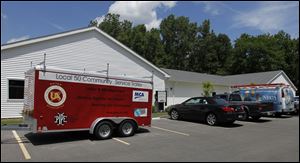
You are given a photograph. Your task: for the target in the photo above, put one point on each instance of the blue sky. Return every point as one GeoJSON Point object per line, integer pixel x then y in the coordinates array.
{"type": "Point", "coordinates": [23, 20]}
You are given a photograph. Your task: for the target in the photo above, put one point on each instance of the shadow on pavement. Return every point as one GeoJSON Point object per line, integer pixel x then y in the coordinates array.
{"type": "Point", "coordinates": [282, 116]}
{"type": "Point", "coordinates": [220, 125]}
{"type": "Point", "coordinates": [257, 121]}
{"type": "Point", "coordinates": [58, 137]}
{"type": "Point", "coordinates": [62, 137]}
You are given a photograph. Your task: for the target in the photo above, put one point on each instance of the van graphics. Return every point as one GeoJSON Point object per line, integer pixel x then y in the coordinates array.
{"type": "Point", "coordinates": [60, 119]}
{"type": "Point", "coordinates": [139, 96]}
{"type": "Point", "coordinates": [55, 96]}
{"type": "Point", "coordinates": [140, 112]}
{"type": "Point", "coordinates": [78, 78]}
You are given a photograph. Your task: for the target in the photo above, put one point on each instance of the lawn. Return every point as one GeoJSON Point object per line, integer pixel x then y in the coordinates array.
{"type": "Point", "coordinates": [160, 114]}
{"type": "Point", "coordinates": [10, 121]}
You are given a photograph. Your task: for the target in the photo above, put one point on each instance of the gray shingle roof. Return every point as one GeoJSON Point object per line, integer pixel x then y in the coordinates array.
{"type": "Point", "coordinates": [194, 77]}
{"type": "Point", "coordinates": [256, 78]}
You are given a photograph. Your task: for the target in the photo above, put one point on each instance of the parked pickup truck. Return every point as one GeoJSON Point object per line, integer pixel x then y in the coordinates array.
{"type": "Point", "coordinates": [253, 109]}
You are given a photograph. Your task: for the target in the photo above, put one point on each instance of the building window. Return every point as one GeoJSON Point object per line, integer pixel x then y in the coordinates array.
{"type": "Point", "coordinates": [15, 89]}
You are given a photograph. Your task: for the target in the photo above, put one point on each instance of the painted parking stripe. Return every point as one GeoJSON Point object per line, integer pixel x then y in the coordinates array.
{"type": "Point", "coordinates": [180, 133]}
{"type": "Point", "coordinates": [22, 146]}
{"type": "Point", "coordinates": [121, 141]}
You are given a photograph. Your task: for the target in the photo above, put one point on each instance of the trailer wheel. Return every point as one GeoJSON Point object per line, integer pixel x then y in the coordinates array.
{"type": "Point", "coordinates": [103, 130]}
{"type": "Point", "coordinates": [127, 128]}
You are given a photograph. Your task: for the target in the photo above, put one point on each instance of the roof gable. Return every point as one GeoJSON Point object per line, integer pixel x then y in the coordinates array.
{"type": "Point", "coordinates": [77, 31]}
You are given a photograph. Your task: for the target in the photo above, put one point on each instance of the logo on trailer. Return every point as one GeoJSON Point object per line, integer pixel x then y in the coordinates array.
{"type": "Point", "coordinates": [55, 96]}
{"type": "Point", "coordinates": [60, 119]}
{"type": "Point", "coordinates": [140, 96]}
{"type": "Point", "coordinates": [140, 112]}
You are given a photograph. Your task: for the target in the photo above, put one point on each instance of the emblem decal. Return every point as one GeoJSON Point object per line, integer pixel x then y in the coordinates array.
{"type": "Point", "coordinates": [55, 95]}
{"type": "Point", "coordinates": [60, 119]}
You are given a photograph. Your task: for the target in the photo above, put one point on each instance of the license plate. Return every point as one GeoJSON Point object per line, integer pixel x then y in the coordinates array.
{"type": "Point", "coordinates": [240, 116]}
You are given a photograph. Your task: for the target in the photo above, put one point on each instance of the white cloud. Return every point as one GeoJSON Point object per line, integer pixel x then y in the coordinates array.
{"type": "Point", "coordinates": [18, 39]}
{"type": "Point", "coordinates": [56, 26]}
{"type": "Point", "coordinates": [216, 7]}
{"type": "Point", "coordinates": [211, 7]}
{"type": "Point", "coordinates": [140, 12]}
{"type": "Point", "coordinates": [271, 17]}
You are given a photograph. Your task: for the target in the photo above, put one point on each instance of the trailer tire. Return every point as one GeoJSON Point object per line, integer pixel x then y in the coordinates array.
{"type": "Point", "coordinates": [127, 128]}
{"type": "Point", "coordinates": [103, 130]}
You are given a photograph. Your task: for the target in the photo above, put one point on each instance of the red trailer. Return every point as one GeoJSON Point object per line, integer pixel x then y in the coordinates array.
{"type": "Point", "coordinates": [66, 100]}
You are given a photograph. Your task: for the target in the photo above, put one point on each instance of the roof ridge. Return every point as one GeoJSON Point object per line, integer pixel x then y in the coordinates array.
{"type": "Point", "coordinates": [192, 72]}
{"type": "Point", "coordinates": [46, 35]}
{"type": "Point", "coordinates": [254, 73]}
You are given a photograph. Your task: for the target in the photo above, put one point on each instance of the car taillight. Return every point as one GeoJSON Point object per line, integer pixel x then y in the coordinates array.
{"type": "Point", "coordinates": [228, 109]}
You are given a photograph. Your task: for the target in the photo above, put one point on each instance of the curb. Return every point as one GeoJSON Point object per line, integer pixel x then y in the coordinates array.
{"type": "Point", "coordinates": [14, 127]}
{"type": "Point", "coordinates": [156, 118]}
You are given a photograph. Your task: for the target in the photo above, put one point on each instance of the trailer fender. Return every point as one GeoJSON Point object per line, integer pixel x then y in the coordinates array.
{"type": "Point", "coordinates": [116, 120]}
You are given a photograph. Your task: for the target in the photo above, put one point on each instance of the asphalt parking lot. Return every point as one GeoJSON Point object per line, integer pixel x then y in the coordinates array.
{"type": "Point", "coordinates": [269, 139]}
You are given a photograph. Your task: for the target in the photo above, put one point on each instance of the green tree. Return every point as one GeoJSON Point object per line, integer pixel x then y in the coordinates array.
{"type": "Point", "coordinates": [154, 51]}
{"type": "Point", "coordinates": [138, 39]}
{"type": "Point", "coordinates": [208, 88]}
{"type": "Point", "coordinates": [178, 37]}
{"type": "Point", "coordinates": [111, 25]}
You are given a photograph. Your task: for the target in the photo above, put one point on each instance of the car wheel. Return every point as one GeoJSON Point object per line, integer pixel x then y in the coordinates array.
{"type": "Point", "coordinates": [278, 115]}
{"type": "Point", "coordinates": [126, 128]}
{"type": "Point", "coordinates": [255, 117]}
{"type": "Point", "coordinates": [174, 114]}
{"type": "Point", "coordinates": [211, 119]}
{"type": "Point", "coordinates": [246, 116]}
{"type": "Point", "coordinates": [104, 130]}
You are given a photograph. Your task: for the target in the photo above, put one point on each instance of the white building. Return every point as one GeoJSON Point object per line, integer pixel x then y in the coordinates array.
{"type": "Point", "coordinates": [91, 49]}
{"type": "Point", "coordinates": [183, 84]}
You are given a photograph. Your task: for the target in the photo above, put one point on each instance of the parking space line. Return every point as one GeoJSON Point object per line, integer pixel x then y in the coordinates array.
{"type": "Point", "coordinates": [121, 141]}
{"type": "Point", "coordinates": [181, 133]}
{"type": "Point", "coordinates": [22, 146]}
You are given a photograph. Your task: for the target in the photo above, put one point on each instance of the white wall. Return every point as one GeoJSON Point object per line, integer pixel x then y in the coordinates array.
{"type": "Point", "coordinates": [87, 50]}
{"type": "Point", "coordinates": [182, 91]}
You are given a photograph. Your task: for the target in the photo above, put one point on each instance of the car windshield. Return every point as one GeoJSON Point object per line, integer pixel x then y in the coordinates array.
{"type": "Point", "coordinates": [220, 101]}
{"type": "Point", "coordinates": [296, 98]}
{"type": "Point", "coordinates": [235, 97]}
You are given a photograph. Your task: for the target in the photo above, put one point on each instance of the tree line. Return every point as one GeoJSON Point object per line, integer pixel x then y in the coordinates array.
{"type": "Point", "coordinates": [184, 45]}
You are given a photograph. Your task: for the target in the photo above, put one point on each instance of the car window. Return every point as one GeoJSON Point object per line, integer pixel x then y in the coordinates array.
{"type": "Point", "coordinates": [221, 97]}
{"type": "Point", "coordinates": [193, 101]}
{"type": "Point", "coordinates": [203, 101]}
{"type": "Point", "coordinates": [235, 97]}
{"type": "Point", "coordinates": [220, 101]}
